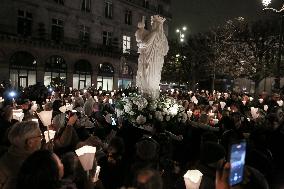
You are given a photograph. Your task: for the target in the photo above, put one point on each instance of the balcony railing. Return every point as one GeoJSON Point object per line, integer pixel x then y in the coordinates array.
{"type": "Point", "coordinates": [70, 44]}
{"type": "Point", "coordinates": [152, 8]}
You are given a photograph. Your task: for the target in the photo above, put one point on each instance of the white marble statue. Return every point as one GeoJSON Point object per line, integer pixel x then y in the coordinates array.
{"type": "Point", "coordinates": [152, 47]}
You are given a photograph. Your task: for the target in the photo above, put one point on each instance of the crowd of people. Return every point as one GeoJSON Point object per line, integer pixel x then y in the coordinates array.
{"type": "Point", "coordinates": [130, 157]}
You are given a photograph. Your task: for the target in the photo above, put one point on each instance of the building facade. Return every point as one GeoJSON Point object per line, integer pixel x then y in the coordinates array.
{"type": "Point", "coordinates": [81, 42]}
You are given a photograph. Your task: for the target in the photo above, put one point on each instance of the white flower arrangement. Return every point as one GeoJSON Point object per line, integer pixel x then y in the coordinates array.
{"type": "Point", "coordinates": [145, 111]}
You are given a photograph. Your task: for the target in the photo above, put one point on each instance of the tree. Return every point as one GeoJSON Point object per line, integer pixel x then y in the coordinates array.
{"type": "Point", "coordinates": [187, 63]}
{"type": "Point", "coordinates": [176, 67]}
{"type": "Point", "coordinates": [245, 50]}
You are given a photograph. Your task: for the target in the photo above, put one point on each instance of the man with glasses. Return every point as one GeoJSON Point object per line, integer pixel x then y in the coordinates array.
{"type": "Point", "coordinates": [25, 138]}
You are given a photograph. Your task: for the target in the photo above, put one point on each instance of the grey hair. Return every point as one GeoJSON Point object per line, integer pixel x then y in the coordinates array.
{"type": "Point", "coordinates": [59, 120]}
{"type": "Point", "coordinates": [22, 131]}
{"type": "Point", "coordinates": [48, 106]}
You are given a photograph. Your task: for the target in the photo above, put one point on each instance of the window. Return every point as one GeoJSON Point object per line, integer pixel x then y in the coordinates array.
{"type": "Point", "coordinates": [57, 30]}
{"type": "Point", "coordinates": [61, 2]}
{"type": "Point", "coordinates": [22, 69]}
{"type": "Point", "coordinates": [55, 70]}
{"type": "Point", "coordinates": [106, 69]}
{"type": "Point", "coordinates": [128, 17]}
{"type": "Point", "coordinates": [84, 33]}
{"type": "Point", "coordinates": [82, 77]}
{"type": "Point", "coordinates": [86, 5]}
{"type": "Point", "coordinates": [146, 4]}
{"type": "Point", "coordinates": [160, 9]}
{"type": "Point", "coordinates": [105, 76]}
{"type": "Point", "coordinates": [107, 38]}
{"type": "Point", "coordinates": [126, 44]}
{"type": "Point", "coordinates": [108, 9]}
{"type": "Point", "coordinates": [124, 83]}
{"type": "Point", "coordinates": [126, 76]}
{"type": "Point", "coordinates": [24, 25]}
{"type": "Point", "coordinates": [105, 83]}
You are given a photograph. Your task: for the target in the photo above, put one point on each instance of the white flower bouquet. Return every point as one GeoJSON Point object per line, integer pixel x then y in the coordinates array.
{"type": "Point", "coordinates": [142, 111]}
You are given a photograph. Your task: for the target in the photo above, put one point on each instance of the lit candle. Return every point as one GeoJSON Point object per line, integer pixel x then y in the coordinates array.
{"type": "Point", "coordinates": [35, 120]}
{"type": "Point", "coordinates": [192, 179]}
{"type": "Point", "coordinates": [211, 114]}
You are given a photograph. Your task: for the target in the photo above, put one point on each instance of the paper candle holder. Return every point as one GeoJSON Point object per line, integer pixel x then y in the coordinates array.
{"type": "Point", "coordinates": [18, 116]}
{"type": "Point", "coordinates": [192, 179]}
{"type": "Point", "coordinates": [45, 117]}
{"type": "Point", "coordinates": [265, 107]}
{"type": "Point", "coordinates": [63, 109]}
{"type": "Point", "coordinates": [280, 102]}
{"type": "Point", "coordinates": [86, 155]}
{"type": "Point", "coordinates": [222, 104]}
{"type": "Point", "coordinates": [49, 135]}
{"type": "Point", "coordinates": [254, 112]}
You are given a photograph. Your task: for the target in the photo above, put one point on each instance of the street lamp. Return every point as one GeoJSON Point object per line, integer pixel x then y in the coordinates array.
{"type": "Point", "coordinates": [266, 3]}
{"type": "Point", "coordinates": [181, 33]}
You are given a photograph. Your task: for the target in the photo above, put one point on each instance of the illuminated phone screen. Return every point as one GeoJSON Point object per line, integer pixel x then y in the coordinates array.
{"type": "Point", "coordinates": [113, 121]}
{"type": "Point", "coordinates": [237, 160]}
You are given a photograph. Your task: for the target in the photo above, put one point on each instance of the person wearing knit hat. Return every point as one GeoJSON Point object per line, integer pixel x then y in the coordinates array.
{"type": "Point", "coordinates": [211, 152]}
{"type": "Point", "coordinates": [147, 149]}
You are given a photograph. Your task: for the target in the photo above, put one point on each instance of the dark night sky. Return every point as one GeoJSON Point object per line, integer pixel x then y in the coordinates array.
{"type": "Point", "coordinates": [200, 15]}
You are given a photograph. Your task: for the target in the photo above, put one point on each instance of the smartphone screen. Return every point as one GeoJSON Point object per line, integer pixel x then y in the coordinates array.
{"type": "Point", "coordinates": [113, 121]}
{"type": "Point", "coordinates": [237, 160]}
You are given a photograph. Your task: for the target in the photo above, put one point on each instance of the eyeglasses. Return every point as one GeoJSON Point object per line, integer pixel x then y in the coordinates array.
{"type": "Point", "coordinates": [39, 136]}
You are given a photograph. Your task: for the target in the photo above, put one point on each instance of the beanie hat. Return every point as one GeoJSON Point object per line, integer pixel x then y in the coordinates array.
{"type": "Point", "coordinates": [147, 149]}
{"type": "Point", "coordinates": [211, 152]}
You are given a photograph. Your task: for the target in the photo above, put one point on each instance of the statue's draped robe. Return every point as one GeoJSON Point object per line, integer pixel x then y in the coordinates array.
{"type": "Point", "coordinates": [153, 47]}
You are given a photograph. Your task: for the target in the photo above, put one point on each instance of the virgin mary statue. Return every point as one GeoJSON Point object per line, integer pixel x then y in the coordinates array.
{"type": "Point", "coordinates": [152, 47]}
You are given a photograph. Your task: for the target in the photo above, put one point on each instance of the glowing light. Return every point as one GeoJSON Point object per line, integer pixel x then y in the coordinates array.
{"type": "Point", "coordinates": [266, 2]}
{"type": "Point", "coordinates": [12, 94]}
{"type": "Point", "coordinates": [184, 28]}
{"type": "Point", "coordinates": [177, 30]}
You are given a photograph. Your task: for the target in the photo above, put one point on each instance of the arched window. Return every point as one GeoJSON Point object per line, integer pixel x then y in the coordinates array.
{"type": "Point", "coordinates": [82, 77]}
{"type": "Point", "coordinates": [55, 67]}
{"type": "Point", "coordinates": [126, 77]}
{"type": "Point", "coordinates": [22, 69]}
{"type": "Point", "coordinates": [105, 77]}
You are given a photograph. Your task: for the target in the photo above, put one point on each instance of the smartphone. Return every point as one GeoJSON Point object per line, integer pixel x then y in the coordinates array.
{"type": "Point", "coordinates": [237, 161]}
{"type": "Point", "coordinates": [113, 122]}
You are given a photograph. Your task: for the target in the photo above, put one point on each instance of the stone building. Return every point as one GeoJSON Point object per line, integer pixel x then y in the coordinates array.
{"type": "Point", "coordinates": [81, 42]}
